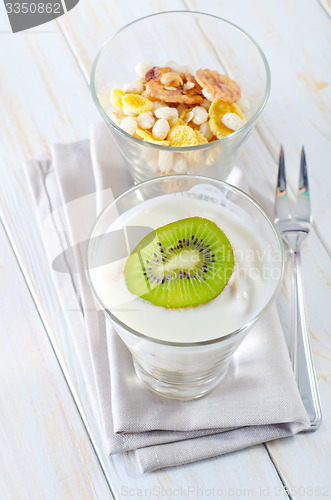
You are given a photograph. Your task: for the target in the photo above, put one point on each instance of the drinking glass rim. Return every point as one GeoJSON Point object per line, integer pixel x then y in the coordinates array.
{"type": "Point", "coordinates": [200, 147]}
{"type": "Point", "coordinates": [203, 342]}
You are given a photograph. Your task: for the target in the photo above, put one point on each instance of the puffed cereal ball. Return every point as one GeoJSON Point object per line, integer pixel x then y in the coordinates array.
{"type": "Point", "coordinates": [166, 159]}
{"type": "Point", "coordinates": [167, 113]}
{"type": "Point", "coordinates": [180, 165]}
{"type": "Point", "coordinates": [146, 120]}
{"type": "Point", "coordinates": [232, 121]}
{"type": "Point", "coordinates": [142, 67]}
{"type": "Point", "coordinates": [129, 124]}
{"type": "Point", "coordinates": [133, 88]}
{"type": "Point", "coordinates": [161, 129]}
{"type": "Point", "coordinates": [200, 115]}
{"type": "Point", "coordinates": [205, 130]}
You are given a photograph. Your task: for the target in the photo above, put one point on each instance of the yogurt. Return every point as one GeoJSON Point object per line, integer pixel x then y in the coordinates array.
{"type": "Point", "coordinates": [240, 301]}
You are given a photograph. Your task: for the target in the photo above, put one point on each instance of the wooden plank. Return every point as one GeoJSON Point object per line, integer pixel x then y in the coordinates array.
{"type": "Point", "coordinates": [45, 449]}
{"type": "Point", "coordinates": [246, 473]}
{"type": "Point", "coordinates": [45, 108]}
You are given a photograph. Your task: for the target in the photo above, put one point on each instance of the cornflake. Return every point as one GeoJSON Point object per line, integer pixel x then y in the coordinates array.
{"type": "Point", "coordinates": [183, 135]}
{"type": "Point", "coordinates": [136, 104]}
{"type": "Point", "coordinates": [116, 96]}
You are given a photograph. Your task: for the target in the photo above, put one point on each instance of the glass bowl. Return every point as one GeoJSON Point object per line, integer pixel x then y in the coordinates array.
{"type": "Point", "coordinates": [177, 362]}
{"type": "Point", "coordinates": [191, 39]}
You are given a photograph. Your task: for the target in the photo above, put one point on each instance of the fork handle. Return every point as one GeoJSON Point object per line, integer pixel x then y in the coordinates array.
{"type": "Point", "coordinates": [303, 361]}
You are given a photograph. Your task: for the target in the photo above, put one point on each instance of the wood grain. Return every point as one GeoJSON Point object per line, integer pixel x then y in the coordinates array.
{"type": "Point", "coordinates": [45, 450]}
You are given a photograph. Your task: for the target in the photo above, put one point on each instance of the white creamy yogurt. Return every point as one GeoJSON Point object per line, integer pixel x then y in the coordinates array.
{"type": "Point", "coordinates": [242, 298]}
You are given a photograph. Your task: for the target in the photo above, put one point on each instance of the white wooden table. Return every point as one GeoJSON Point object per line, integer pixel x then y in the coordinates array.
{"type": "Point", "coordinates": [50, 444]}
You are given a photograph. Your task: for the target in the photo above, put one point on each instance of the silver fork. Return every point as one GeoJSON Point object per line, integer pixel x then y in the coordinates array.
{"type": "Point", "coordinates": [293, 230]}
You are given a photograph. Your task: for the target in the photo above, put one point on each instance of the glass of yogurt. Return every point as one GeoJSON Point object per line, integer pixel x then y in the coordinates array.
{"type": "Point", "coordinates": [183, 352]}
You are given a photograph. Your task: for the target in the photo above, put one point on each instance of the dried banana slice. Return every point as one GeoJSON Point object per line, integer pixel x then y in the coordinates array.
{"type": "Point", "coordinates": [136, 104]}
{"type": "Point", "coordinates": [219, 86]}
{"type": "Point", "coordinates": [180, 94]}
{"type": "Point", "coordinates": [156, 73]}
{"type": "Point", "coordinates": [158, 91]}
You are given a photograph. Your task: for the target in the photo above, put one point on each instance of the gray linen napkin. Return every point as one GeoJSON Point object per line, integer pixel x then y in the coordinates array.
{"type": "Point", "coordinates": [257, 400]}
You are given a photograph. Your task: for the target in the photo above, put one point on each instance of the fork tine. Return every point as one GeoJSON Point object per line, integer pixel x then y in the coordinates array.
{"type": "Point", "coordinates": [281, 180]}
{"type": "Point", "coordinates": [303, 178]}
{"type": "Point", "coordinates": [303, 210]}
{"type": "Point", "coordinates": [282, 207]}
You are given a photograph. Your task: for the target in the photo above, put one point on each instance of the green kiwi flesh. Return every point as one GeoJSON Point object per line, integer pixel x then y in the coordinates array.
{"type": "Point", "coordinates": [182, 264]}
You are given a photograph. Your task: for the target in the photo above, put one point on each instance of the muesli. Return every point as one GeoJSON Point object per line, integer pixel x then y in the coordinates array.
{"type": "Point", "coordinates": [172, 107]}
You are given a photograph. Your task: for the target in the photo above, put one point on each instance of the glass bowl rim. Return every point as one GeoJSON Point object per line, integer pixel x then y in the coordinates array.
{"type": "Point", "coordinates": [143, 336]}
{"type": "Point", "coordinates": [243, 129]}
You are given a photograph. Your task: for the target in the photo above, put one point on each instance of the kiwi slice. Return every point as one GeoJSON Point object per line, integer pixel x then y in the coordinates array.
{"type": "Point", "coordinates": [182, 264]}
